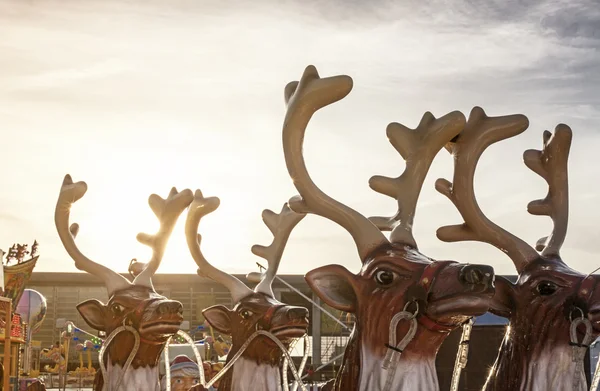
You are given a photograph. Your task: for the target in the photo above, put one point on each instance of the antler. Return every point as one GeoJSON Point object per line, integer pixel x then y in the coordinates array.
{"type": "Point", "coordinates": [303, 99]}
{"type": "Point", "coordinates": [281, 226]}
{"type": "Point", "coordinates": [480, 132]}
{"type": "Point", "coordinates": [418, 147]}
{"type": "Point", "coordinates": [70, 193]}
{"type": "Point", "coordinates": [199, 208]}
{"type": "Point", "coordinates": [551, 163]}
{"type": "Point", "coordinates": [168, 211]}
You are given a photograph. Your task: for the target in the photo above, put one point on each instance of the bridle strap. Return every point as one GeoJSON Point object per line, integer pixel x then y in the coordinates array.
{"type": "Point", "coordinates": [265, 321]}
{"type": "Point", "coordinates": [137, 313]}
{"type": "Point", "coordinates": [428, 277]}
{"type": "Point", "coordinates": [432, 325]}
{"type": "Point", "coordinates": [586, 288]}
{"type": "Point", "coordinates": [431, 272]}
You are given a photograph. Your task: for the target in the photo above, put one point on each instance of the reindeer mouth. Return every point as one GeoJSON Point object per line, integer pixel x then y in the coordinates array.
{"type": "Point", "coordinates": [289, 331]}
{"type": "Point", "coordinates": [161, 328]}
{"type": "Point", "coordinates": [461, 305]}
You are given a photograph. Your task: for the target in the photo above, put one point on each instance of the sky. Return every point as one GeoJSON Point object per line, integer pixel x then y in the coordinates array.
{"type": "Point", "coordinates": [134, 97]}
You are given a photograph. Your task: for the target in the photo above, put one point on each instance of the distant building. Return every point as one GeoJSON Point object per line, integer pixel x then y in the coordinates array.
{"type": "Point", "coordinates": [64, 291]}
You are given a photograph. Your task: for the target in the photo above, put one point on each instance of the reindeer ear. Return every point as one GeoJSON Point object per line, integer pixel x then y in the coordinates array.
{"type": "Point", "coordinates": [504, 298]}
{"type": "Point", "coordinates": [218, 317]}
{"type": "Point", "coordinates": [335, 285]}
{"type": "Point", "coordinates": [94, 313]}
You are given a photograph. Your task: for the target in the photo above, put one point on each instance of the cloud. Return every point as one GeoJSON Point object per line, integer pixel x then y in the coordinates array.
{"type": "Point", "coordinates": [133, 96]}
{"type": "Point", "coordinates": [9, 218]}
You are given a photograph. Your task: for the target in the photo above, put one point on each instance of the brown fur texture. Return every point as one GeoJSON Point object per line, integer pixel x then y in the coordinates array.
{"type": "Point", "coordinates": [36, 386]}
{"type": "Point", "coordinates": [451, 301]}
{"type": "Point", "coordinates": [257, 312]}
{"type": "Point", "coordinates": [539, 323]}
{"type": "Point", "coordinates": [152, 315]}
{"type": "Point", "coordinates": [394, 276]}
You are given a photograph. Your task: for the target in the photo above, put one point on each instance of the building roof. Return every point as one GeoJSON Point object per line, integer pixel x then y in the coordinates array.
{"type": "Point", "coordinates": [80, 278]}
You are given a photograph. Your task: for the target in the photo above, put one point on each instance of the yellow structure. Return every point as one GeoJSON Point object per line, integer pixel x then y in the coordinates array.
{"type": "Point", "coordinates": [6, 312]}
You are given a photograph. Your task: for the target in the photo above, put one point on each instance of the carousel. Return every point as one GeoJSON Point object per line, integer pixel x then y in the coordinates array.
{"type": "Point", "coordinates": [22, 312]}
{"type": "Point", "coordinates": [402, 303]}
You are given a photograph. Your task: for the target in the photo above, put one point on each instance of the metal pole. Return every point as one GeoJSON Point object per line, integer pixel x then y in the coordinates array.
{"type": "Point", "coordinates": [7, 327]}
{"type": "Point", "coordinates": [327, 363]}
{"type": "Point", "coordinates": [316, 333]}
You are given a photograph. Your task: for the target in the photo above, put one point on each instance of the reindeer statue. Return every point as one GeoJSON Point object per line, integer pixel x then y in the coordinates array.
{"type": "Point", "coordinates": [399, 293]}
{"type": "Point", "coordinates": [554, 311]}
{"type": "Point", "coordinates": [257, 369]}
{"type": "Point", "coordinates": [132, 362]}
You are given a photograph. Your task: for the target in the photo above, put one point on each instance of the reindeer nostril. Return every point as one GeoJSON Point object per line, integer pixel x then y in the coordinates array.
{"type": "Point", "coordinates": [297, 313]}
{"type": "Point", "coordinates": [477, 274]}
{"type": "Point", "coordinates": [169, 307]}
{"type": "Point", "coordinates": [176, 308]}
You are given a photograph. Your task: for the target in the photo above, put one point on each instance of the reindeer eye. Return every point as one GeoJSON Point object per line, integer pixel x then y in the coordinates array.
{"type": "Point", "coordinates": [546, 288]}
{"type": "Point", "coordinates": [117, 309]}
{"type": "Point", "coordinates": [385, 277]}
{"type": "Point", "coordinates": [245, 314]}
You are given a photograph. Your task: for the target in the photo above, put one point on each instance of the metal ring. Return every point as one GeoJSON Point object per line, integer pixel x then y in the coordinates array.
{"type": "Point", "coordinates": [571, 313]}
{"type": "Point", "coordinates": [408, 304]}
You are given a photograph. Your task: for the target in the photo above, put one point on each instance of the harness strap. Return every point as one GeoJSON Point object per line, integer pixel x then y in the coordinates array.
{"type": "Point", "coordinates": [586, 288]}
{"type": "Point", "coordinates": [137, 313]}
{"type": "Point", "coordinates": [579, 348]}
{"type": "Point", "coordinates": [428, 277]}
{"type": "Point", "coordinates": [127, 364]}
{"type": "Point", "coordinates": [431, 272]}
{"type": "Point", "coordinates": [287, 360]}
{"type": "Point", "coordinates": [395, 349]}
{"type": "Point", "coordinates": [267, 318]}
{"type": "Point", "coordinates": [433, 325]}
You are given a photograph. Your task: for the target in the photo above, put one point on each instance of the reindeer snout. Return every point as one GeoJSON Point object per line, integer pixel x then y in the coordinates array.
{"type": "Point", "coordinates": [170, 307]}
{"type": "Point", "coordinates": [477, 275]}
{"type": "Point", "coordinates": [297, 313]}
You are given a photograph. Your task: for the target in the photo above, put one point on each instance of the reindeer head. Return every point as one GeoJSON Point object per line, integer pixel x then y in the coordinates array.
{"type": "Point", "coordinates": [394, 274]}
{"type": "Point", "coordinates": [548, 294]}
{"type": "Point", "coordinates": [253, 309]}
{"type": "Point", "coordinates": [130, 303]}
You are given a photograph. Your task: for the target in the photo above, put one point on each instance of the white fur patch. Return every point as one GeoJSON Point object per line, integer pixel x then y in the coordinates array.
{"type": "Point", "coordinates": [249, 376]}
{"type": "Point", "coordinates": [140, 379]}
{"type": "Point", "coordinates": [554, 370]}
{"type": "Point", "coordinates": [410, 374]}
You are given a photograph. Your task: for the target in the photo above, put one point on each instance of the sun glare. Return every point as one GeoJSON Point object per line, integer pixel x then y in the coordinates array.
{"type": "Point", "coordinates": [110, 221]}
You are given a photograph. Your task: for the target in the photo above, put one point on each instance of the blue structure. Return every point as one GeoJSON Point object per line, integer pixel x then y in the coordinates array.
{"type": "Point", "coordinates": [489, 319]}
